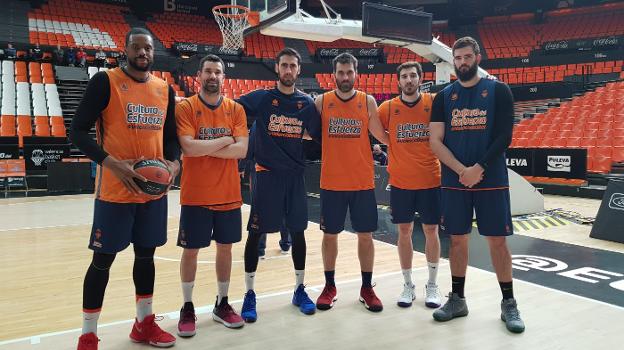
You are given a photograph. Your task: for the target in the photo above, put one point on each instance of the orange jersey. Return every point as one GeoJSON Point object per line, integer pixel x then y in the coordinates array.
{"type": "Point", "coordinates": [210, 181]}
{"type": "Point", "coordinates": [411, 163]}
{"type": "Point", "coordinates": [130, 127]}
{"type": "Point", "coordinates": [347, 159]}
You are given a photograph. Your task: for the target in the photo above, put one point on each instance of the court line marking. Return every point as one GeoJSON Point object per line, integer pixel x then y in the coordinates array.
{"type": "Point", "coordinates": [174, 315]}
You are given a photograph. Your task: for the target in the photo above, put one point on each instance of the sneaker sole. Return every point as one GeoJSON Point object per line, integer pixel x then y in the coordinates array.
{"type": "Point", "coordinates": [227, 324]}
{"type": "Point", "coordinates": [326, 306]}
{"type": "Point", "coordinates": [448, 319]}
{"type": "Point", "coordinates": [158, 345]}
{"type": "Point", "coordinates": [404, 304]}
{"type": "Point", "coordinates": [250, 320]}
{"type": "Point", "coordinates": [375, 309]}
{"type": "Point", "coordinates": [186, 334]}
{"type": "Point", "coordinates": [432, 305]}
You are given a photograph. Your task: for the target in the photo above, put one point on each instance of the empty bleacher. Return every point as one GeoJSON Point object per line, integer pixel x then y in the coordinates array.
{"type": "Point", "coordinates": [30, 101]}
{"type": "Point", "coordinates": [516, 35]}
{"type": "Point", "coordinates": [73, 23]}
{"type": "Point", "coordinates": [594, 121]}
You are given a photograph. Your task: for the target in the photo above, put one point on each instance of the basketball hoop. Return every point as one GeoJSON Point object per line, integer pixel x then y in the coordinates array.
{"type": "Point", "coordinates": [232, 20]}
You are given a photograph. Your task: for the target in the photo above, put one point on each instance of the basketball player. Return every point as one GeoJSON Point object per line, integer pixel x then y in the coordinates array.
{"type": "Point", "coordinates": [347, 176]}
{"type": "Point", "coordinates": [212, 130]}
{"type": "Point", "coordinates": [278, 190]}
{"type": "Point", "coordinates": [471, 127]}
{"type": "Point", "coordinates": [414, 178]}
{"type": "Point", "coordinates": [134, 114]}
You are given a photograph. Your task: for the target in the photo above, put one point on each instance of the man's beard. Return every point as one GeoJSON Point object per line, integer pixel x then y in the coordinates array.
{"type": "Point", "coordinates": [287, 82]}
{"type": "Point", "coordinates": [406, 92]}
{"type": "Point", "coordinates": [468, 74]}
{"type": "Point", "coordinates": [211, 88]}
{"type": "Point", "coordinates": [345, 86]}
{"type": "Point", "coordinates": [134, 65]}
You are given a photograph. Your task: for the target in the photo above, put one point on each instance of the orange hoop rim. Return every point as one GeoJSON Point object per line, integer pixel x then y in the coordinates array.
{"type": "Point", "coordinates": [217, 11]}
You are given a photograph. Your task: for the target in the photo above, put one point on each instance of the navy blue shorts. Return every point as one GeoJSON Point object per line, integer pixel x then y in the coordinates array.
{"type": "Point", "coordinates": [404, 203]}
{"type": "Point", "coordinates": [362, 209]}
{"type": "Point", "coordinates": [116, 225]}
{"type": "Point", "coordinates": [200, 225]}
{"type": "Point", "coordinates": [278, 198]}
{"type": "Point", "coordinates": [492, 209]}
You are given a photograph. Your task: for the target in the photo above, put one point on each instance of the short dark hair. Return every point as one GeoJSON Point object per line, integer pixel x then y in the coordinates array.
{"type": "Point", "coordinates": [345, 58]}
{"type": "Point", "coordinates": [465, 42]}
{"type": "Point", "coordinates": [288, 51]}
{"type": "Point", "coordinates": [408, 65]}
{"type": "Point", "coordinates": [137, 31]}
{"type": "Point", "coordinates": [211, 58]}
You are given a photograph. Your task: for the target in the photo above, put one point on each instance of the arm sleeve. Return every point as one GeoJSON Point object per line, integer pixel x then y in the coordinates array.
{"type": "Point", "coordinates": [249, 103]}
{"type": "Point", "coordinates": [503, 124]}
{"type": "Point", "coordinates": [171, 145]}
{"type": "Point", "coordinates": [314, 124]}
{"type": "Point", "coordinates": [94, 101]}
{"type": "Point", "coordinates": [437, 108]}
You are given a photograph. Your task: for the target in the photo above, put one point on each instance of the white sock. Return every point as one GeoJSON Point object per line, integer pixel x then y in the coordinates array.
{"type": "Point", "coordinates": [433, 272]}
{"type": "Point", "coordinates": [223, 290]}
{"type": "Point", "coordinates": [299, 275]}
{"type": "Point", "coordinates": [143, 307]}
{"type": "Point", "coordinates": [187, 291]}
{"type": "Point", "coordinates": [89, 322]}
{"type": "Point", "coordinates": [407, 276]}
{"type": "Point", "coordinates": [249, 280]}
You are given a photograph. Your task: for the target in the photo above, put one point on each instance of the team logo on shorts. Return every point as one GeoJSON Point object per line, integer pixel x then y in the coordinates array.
{"type": "Point", "coordinates": [454, 97]}
{"type": "Point", "coordinates": [275, 103]}
{"type": "Point", "coordinates": [97, 235]}
{"type": "Point", "coordinates": [182, 237]}
{"type": "Point", "coordinates": [484, 93]}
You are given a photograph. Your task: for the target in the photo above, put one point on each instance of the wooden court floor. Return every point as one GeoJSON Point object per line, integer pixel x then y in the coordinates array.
{"type": "Point", "coordinates": [44, 255]}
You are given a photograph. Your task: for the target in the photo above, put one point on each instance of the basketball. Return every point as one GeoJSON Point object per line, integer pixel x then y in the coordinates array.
{"type": "Point", "coordinates": [157, 175]}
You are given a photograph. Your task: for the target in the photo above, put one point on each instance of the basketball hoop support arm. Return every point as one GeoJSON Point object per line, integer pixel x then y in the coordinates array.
{"type": "Point", "coordinates": [304, 26]}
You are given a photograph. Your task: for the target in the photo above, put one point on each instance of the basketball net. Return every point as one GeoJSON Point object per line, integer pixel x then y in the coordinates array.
{"type": "Point", "coordinates": [232, 20]}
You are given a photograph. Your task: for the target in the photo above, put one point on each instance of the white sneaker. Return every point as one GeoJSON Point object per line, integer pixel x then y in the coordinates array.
{"type": "Point", "coordinates": [432, 295]}
{"type": "Point", "coordinates": [408, 295]}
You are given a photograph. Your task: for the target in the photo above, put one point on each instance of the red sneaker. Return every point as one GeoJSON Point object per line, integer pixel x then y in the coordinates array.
{"type": "Point", "coordinates": [224, 313]}
{"type": "Point", "coordinates": [149, 332]}
{"type": "Point", "coordinates": [327, 298]}
{"type": "Point", "coordinates": [370, 300]}
{"type": "Point", "coordinates": [88, 341]}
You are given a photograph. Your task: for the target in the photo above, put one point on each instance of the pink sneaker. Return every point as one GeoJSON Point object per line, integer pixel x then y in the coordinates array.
{"type": "Point", "coordinates": [225, 314]}
{"type": "Point", "coordinates": [186, 325]}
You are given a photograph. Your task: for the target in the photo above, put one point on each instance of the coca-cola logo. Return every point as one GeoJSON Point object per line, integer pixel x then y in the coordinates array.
{"type": "Point", "coordinates": [329, 52]}
{"type": "Point", "coordinates": [187, 47]}
{"type": "Point", "coordinates": [610, 41]}
{"type": "Point", "coordinates": [556, 45]}
{"type": "Point", "coordinates": [228, 51]}
{"type": "Point", "coordinates": [369, 52]}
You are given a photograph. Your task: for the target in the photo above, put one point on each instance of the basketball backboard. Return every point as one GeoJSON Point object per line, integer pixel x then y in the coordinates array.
{"type": "Point", "coordinates": [270, 11]}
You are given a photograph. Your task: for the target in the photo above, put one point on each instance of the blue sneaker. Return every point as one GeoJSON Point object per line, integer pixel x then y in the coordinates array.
{"type": "Point", "coordinates": [284, 247]}
{"type": "Point", "coordinates": [301, 299]}
{"type": "Point", "coordinates": [248, 312]}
